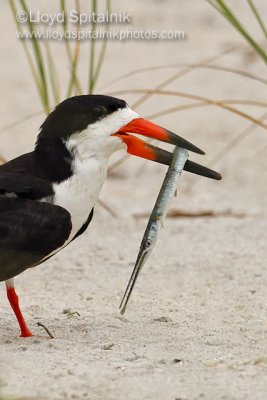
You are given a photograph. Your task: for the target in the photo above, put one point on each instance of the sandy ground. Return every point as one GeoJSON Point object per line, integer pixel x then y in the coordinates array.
{"type": "Point", "coordinates": [196, 324]}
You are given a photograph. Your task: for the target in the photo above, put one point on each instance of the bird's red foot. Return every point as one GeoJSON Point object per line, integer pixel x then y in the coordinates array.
{"type": "Point", "coordinates": [25, 332]}
{"type": "Point", "coordinates": [14, 302]}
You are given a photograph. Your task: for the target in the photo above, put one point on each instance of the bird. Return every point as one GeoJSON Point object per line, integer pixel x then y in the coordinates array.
{"type": "Point", "coordinates": [47, 196]}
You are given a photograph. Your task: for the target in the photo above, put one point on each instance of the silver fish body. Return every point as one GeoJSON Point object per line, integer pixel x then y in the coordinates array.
{"type": "Point", "coordinates": [167, 192]}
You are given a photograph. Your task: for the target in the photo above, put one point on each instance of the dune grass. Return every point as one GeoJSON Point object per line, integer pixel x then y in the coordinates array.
{"type": "Point", "coordinates": [41, 59]}
{"type": "Point", "coordinates": [223, 8]}
{"type": "Point", "coordinates": [47, 77]}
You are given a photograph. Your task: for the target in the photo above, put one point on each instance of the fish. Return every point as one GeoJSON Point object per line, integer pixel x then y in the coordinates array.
{"type": "Point", "coordinates": [157, 217]}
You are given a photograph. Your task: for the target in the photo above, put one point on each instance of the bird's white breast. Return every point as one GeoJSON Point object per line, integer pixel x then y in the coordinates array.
{"type": "Point", "coordinates": [90, 150]}
{"type": "Point", "coordinates": [79, 193]}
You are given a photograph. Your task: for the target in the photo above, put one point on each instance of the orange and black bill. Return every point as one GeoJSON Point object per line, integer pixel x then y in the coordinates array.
{"type": "Point", "coordinates": [140, 148]}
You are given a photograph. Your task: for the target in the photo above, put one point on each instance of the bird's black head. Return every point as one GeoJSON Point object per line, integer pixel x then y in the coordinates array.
{"type": "Point", "coordinates": [83, 128]}
{"type": "Point", "coordinates": [77, 113]}
{"type": "Point", "coordinates": [80, 127]}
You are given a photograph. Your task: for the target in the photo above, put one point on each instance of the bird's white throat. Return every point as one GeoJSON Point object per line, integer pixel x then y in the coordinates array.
{"type": "Point", "coordinates": [90, 150]}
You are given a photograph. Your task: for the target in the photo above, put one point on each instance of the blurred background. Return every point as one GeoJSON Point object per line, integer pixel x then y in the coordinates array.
{"type": "Point", "coordinates": [207, 272]}
{"type": "Point", "coordinates": [130, 65]}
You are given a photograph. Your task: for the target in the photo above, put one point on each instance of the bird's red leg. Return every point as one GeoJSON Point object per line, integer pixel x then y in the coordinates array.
{"type": "Point", "coordinates": [14, 302]}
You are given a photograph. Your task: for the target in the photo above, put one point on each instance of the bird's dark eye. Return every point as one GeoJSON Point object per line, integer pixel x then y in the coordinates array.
{"type": "Point", "coordinates": [148, 243]}
{"type": "Point", "coordinates": [99, 111]}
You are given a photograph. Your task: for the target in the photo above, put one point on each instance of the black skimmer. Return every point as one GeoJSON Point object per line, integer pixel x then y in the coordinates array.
{"type": "Point", "coordinates": [47, 197]}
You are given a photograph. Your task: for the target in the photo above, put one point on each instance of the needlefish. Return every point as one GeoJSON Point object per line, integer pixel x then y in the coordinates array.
{"type": "Point", "coordinates": [167, 192]}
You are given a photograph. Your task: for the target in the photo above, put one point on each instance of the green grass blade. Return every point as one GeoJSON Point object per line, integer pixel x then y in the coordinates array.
{"type": "Point", "coordinates": [39, 60]}
{"type": "Point", "coordinates": [74, 81]}
{"type": "Point", "coordinates": [103, 48]}
{"type": "Point", "coordinates": [65, 26]}
{"type": "Point", "coordinates": [73, 61]}
{"type": "Point", "coordinates": [27, 53]}
{"type": "Point", "coordinates": [92, 52]}
{"type": "Point", "coordinates": [258, 17]}
{"type": "Point", "coordinates": [223, 9]}
{"type": "Point", "coordinates": [52, 74]}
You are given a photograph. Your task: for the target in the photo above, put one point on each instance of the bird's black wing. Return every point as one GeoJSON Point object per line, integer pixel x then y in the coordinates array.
{"type": "Point", "coordinates": [29, 231]}
{"type": "Point", "coordinates": [24, 185]}
{"type": "Point", "coordinates": [27, 178]}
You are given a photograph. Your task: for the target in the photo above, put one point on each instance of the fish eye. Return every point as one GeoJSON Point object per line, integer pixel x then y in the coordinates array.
{"type": "Point", "coordinates": [99, 111]}
{"type": "Point", "coordinates": [148, 242]}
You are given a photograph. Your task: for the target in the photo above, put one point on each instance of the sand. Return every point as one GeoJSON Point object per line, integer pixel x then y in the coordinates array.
{"type": "Point", "coordinates": [196, 325]}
